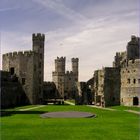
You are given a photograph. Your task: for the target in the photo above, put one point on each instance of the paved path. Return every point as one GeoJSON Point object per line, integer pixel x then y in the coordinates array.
{"type": "Point", "coordinates": [92, 106]}
{"type": "Point", "coordinates": [25, 109]}
{"type": "Point", "coordinates": [101, 107]}
{"type": "Point", "coordinates": [67, 102]}
{"type": "Point", "coordinates": [133, 111]}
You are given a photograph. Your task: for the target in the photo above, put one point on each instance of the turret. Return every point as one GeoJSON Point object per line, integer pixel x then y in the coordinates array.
{"type": "Point", "coordinates": [60, 64]}
{"type": "Point", "coordinates": [75, 66]}
{"type": "Point", "coordinates": [133, 48]}
{"type": "Point", "coordinates": [38, 41]}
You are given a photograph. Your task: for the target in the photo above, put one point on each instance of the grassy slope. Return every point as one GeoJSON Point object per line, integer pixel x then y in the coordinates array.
{"type": "Point", "coordinates": [126, 108]}
{"type": "Point", "coordinates": [113, 125]}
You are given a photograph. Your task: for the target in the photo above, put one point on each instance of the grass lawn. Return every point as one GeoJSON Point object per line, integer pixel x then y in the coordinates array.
{"type": "Point", "coordinates": [108, 125]}
{"type": "Point", "coordinates": [126, 108]}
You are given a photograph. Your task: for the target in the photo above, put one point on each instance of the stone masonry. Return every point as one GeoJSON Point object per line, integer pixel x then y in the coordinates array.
{"type": "Point", "coordinates": [28, 66]}
{"type": "Point", "coordinates": [65, 81]}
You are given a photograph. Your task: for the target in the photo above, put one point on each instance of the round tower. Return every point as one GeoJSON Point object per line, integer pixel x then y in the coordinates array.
{"type": "Point", "coordinates": [75, 66]}
{"type": "Point", "coordinates": [60, 64]}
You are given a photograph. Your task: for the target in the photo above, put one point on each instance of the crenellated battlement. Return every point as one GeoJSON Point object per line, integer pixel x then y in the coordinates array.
{"type": "Point", "coordinates": [38, 37]}
{"type": "Point", "coordinates": [18, 54]}
{"type": "Point", "coordinates": [60, 59]}
{"type": "Point", "coordinates": [74, 59]}
{"type": "Point", "coordinates": [135, 62]}
{"type": "Point", "coordinates": [120, 54]}
{"type": "Point", "coordinates": [69, 73]}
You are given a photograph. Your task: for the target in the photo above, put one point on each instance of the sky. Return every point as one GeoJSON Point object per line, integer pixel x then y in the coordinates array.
{"type": "Point", "coordinates": [92, 30]}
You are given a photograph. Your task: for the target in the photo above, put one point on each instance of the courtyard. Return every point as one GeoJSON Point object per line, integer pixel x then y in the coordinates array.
{"type": "Point", "coordinates": [25, 123]}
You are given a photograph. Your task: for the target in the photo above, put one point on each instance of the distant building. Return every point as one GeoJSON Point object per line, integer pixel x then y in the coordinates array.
{"type": "Point", "coordinates": [83, 95]}
{"type": "Point", "coordinates": [129, 64]}
{"type": "Point", "coordinates": [107, 87]}
{"type": "Point", "coordinates": [120, 84]}
{"type": "Point", "coordinates": [22, 78]}
{"type": "Point", "coordinates": [65, 81]}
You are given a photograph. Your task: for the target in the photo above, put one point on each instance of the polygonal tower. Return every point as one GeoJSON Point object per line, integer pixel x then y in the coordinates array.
{"type": "Point", "coordinates": [60, 64]}
{"type": "Point", "coordinates": [59, 75]}
{"type": "Point", "coordinates": [133, 48]}
{"type": "Point", "coordinates": [75, 66]}
{"type": "Point", "coordinates": [38, 47]}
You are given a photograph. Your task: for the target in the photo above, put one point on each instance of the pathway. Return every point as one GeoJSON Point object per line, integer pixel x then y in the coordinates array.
{"type": "Point", "coordinates": [25, 109]}
{"type": "Point", "coordinates": [67, 102]}
{"type": "Point", "coordinates": [133, 111]}
{"type": "Point", "coordinates": [111, 109]}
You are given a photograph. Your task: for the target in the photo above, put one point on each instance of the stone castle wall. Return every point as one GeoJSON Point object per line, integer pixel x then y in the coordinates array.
{"type": "Point", "coordinates": [28, 66]}
{"type": "Point", "coordinates": [23, 65]}
{"type": "Point", "coordinates": [107, 86]}
{"type": "Point", "coordinates": [130, 83]}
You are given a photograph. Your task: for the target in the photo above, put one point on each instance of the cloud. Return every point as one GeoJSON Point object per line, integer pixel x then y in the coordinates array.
{"type": "Point", "coordinates": [94, 40]}
{"type": "Point", "coordinates": [62, 9]}
{"type": "Point", "coordinates": [8, 9]}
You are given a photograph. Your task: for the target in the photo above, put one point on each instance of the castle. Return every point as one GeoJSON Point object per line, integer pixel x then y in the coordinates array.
{"type": "Point", "coordinates": [22, 78]}
{"type": "Point", "coordinates": [65, 81]}
{"type": "Point", "coordinates": [129, 64]}
{"type": "Point", "coordinates": [120, 84]}
{"type": "Point", "coordinates": [28, 67]}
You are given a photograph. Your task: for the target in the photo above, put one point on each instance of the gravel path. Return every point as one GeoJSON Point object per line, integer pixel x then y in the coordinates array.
{"type": "Point", "coordinates": [133, 111]}
{"type": "Point", "coordinates": [25, 109]}
{"type": "Point", "coordinates": [67, 102]}
{"type": "Point", "coordinates": [111, 109]}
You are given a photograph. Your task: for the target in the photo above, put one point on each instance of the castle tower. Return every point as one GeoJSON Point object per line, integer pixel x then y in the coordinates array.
{"type": "Point", "coordinates": [75, 66]}
{"type": "Point", "coordinates": [59, 75]}
{"type": "Point", "coordinates": [38, 47]}
{"type": "Point", "coordinates": [60, 64]}
{"type": "Point", "coordinates": [133, 48]}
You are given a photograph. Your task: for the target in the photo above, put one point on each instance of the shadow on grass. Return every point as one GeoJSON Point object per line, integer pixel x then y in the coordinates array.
{"type": "Point", "coordinates": [10, 113]}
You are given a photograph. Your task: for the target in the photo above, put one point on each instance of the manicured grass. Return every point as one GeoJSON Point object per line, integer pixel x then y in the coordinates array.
{"type": "Point", "coordinates": [113, 125]}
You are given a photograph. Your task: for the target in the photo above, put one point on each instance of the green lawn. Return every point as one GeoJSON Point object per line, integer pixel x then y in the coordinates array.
{"type": "Point", "coordinates": [108, 125]}
{"type": "Point", "coordinates": [126, 108]}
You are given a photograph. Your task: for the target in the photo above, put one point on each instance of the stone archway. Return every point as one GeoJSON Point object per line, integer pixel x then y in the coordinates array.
{"type": "Point", "coordinates": [135, 101]}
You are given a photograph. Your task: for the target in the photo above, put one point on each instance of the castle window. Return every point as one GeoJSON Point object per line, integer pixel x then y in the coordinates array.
{"type": "Point", "coordinates": [23, 81]}
{"type": "Point", "coordinates": [39, 72]}
{"type": "Point", "coordinates": [12, 70]}
{"type": "Point", "coordinates": [128, 81]}
{"type": "Point", "coordinates": [128, 71]}
{"type": "Point", "coordinates": [40, 55]}
{"type": "Point", "coordinates": [134, 81]}
{"type": "Point", "coordinates": [40, 80]}
{"type": "Point", "coordinates": [34, 67]}
{"type": "Point", "coordinates": [113, 99]}
{"type": "Point", "coordinates": [40, 65]}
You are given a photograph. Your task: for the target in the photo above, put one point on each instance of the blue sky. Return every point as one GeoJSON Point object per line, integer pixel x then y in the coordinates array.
{"type": "Point", "coordinates": [93, 30]}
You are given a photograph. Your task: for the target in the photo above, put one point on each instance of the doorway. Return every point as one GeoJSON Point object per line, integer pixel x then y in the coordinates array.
{"type": "Point", "coordinates": [12, 70]}
{"type": "Point", "coordinates": [135, 101]}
